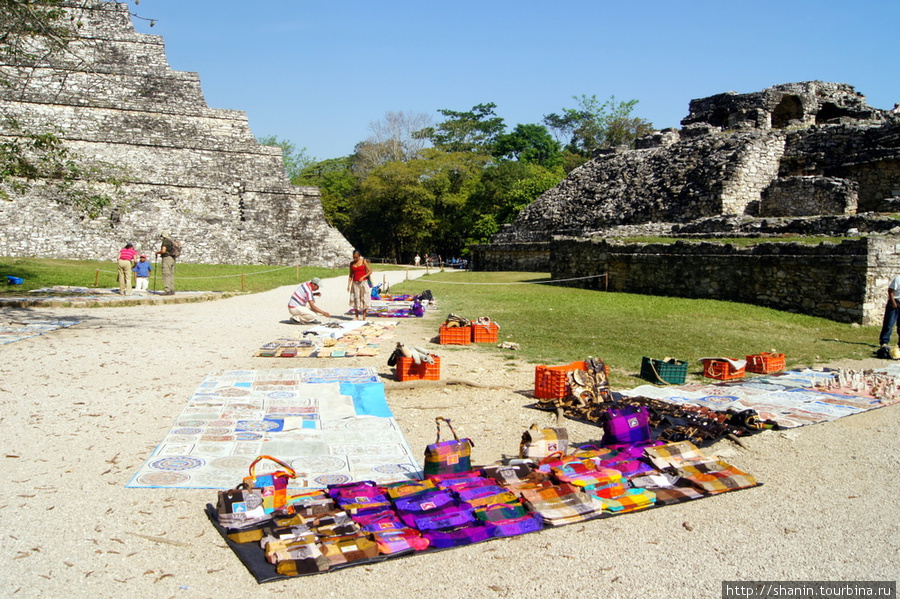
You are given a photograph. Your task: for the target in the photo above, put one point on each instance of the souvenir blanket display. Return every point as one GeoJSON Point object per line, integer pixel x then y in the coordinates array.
{"type": "Point", "coordinates": [278, 535]}
{"type": "Point", "coordinates": [789, 399]}
{"type": "Point", "coordinates": [387, 305]}
{"type": "Point", "coordinates": [22, 329]}
{"type": "Point", "coordinates": [330, 425]}
{"type": "Point", "coordinates": [348, 339]}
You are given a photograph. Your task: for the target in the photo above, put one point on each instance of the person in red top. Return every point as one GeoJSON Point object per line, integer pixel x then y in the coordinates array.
{"type": "Point", "coordinates": [127, 259]}
{"type": "Point", "coordinates": [356, 286]}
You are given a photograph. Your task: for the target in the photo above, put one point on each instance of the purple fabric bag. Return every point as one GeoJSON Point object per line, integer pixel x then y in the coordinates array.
{"type": "Point", "coordinates": [530, 522]}
{"type": "Point", "coordinates": [625, 426]}
{"type": "Point", "coordinates": [448, 517]}
{"type": "Point", "coordinates": [456, 537]}
{"type": "Point", "coordinates": [424, 502]}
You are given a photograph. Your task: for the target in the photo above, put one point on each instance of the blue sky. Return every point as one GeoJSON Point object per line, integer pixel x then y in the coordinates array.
{"type": "Point", "coordinates": [319, 73]}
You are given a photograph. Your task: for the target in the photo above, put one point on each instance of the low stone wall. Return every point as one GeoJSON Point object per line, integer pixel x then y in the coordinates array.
{"type": "Point", "coordinates": [845, 282]}
{"type": "Point", "coordinates": [527, 257]}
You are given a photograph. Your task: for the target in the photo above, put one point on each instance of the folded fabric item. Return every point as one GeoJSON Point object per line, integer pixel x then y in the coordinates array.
{"type": "Point", "coordinates": [447, 517]}
{"type": "Point", "coordinates": [457, 480]}
{"type": "Point", "coordinates": [509, 474]}
{"type": "Point", "coordinates": [408, 488]}
{"type": "Point", "coordinates": [655, 479]}
{"type": "Point", "coordinates": [586, 473]}
{"type": "Point", "coordinates": [336, 524]}
{"type": "Point", "coordinates": [372, 517]}
{"type": "Point", "coordinates": [346, 549]}
{"type": "Point", "coordinates": [241, 507]}
{"type": "Point", "coordinates": [592, 451]}
{"type": "Point", "coordinates": [673, 455]}
{"type": "Point", "coordinates": [474, 493]}
{"type": "Point", "coordinates": [367, 487]}
{"type": "Point", "coordinates": [311, 504]}
{"type": "Point", "coordinates": [627, 467]}
{"type": "Point", "coordinates": [304, 565]}
{"type": "Point", "coordinates": [537, 443]}
{"type": "Point", "coordinates": [614, 488]}
{"type": "Point", "coordinates": [400, 540]}
{"type": "Point", "coordinates": [717, 477]}
{"type": "Point", "coordinates": [456, 537]}
{"type": "Point", "coordinates": [500, 511]}
{"type": "Point", "coordinates": [563, 506]}
{"type": "Point", "coordinates": [631, 500]}
{"type": "Point", "coordinates": [485, 500]}
{"type": "Point", "coordinates": [424, 502]}
{"type": "Point", "coordinates": [671, 495]}
{"type": "Point", "coordinates": [515, 526]}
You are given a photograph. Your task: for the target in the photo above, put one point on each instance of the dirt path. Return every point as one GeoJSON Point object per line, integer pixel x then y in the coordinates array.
{"type": "Point", "coordinates": [82, 408]}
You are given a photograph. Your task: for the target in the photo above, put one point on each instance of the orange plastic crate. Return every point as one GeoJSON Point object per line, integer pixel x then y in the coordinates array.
{"type": "Point", "coordinates": [551, 382]}
{"type": "Point", "coordinates": [485, 333]}
{"type": "Point", "coordinates": [407, 370]}
{"type": "Point", "coordinates": [764, 363]}
{"type": "Point", "coordinates": [721, 370]}
{"type": "Point", "coordinates": [455, 335]}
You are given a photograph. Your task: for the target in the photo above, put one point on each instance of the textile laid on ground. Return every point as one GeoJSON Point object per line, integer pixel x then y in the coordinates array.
{"type": "Point", "coordinates": [790, 399]}
{"type": "Point", "coordinates": [22, 329]}
{"type": "Point", "coordinates": [363, 523]}
{"type": "Point", "coordinates": [395, 308]}
{"type": "Point", "coordinates": [332, 425]}
{"type": "Point", "coordinates": [348, 339]}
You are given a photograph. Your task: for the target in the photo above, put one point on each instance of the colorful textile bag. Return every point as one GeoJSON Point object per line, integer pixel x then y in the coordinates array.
{"type": "Point", "coordinates": [447, 517]}
{"type": "Point", "coordinates": [456, 537]}
{"type": "Point", "coordinates": [448, 457]}
{"type": "Point", "coordinates": [425, 502]}
{"type": "Point", "coordinates": [272, 487]}
{"type": "Point", "coordinates": [631, 500]}
{"type": "Point", "coordinates": [500, 511]}
{"type": "Point", "coordinates": [515, 526]}
{"type": "Point", "coordinates": [626, 426]}
{"type": "Point", "coordinates": [241, 507]}
{"type": "Point", "coordinates": [407, 488]}
{"type": "Point", "coordinates": [537, 444]}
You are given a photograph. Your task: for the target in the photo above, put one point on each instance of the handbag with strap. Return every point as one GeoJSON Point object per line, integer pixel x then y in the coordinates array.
{"type": "Point", "coordinates": [626, 426]}
{"type": "Point", "coordinates": [272, 487]}
{"type": "Point", "coordinates": [448, 457]}
{"type": "Point", "coordinates": [537, 443]}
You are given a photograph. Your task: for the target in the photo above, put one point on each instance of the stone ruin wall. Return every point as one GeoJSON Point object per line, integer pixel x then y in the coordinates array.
{"type": "Point", "coordinates": [796, 159]}
{"type": "Point", "coordinates": [192, 170]}
{"type": "Point", "coordinates": [845, 282]}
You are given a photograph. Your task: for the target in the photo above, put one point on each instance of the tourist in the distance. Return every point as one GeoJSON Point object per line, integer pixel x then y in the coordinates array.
{"type": "Point", "coordinates": [891, 311]}
{"type": "Point", "coordinates": [167, 252]}
{"type": "Point", "coordinates": [360, 271]}
{"type": "Point", "coordinates": [127, 258]}
{"type": "Point", "coordinates": [142, 273]}
{"type": "Point", "coordinates": [302, 304]}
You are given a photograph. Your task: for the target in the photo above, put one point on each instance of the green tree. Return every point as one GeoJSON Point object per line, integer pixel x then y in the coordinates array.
{"type": "Point", "coordinates": [295, 159]}
{"type": "Point", "coordinates": [472, 131]}
{"type": "Point", "coordinates": [338, 185]}
{"type": "Point", "coordinates": [529, 143]}
{"type": "Point", "coordinates": [595, 125]}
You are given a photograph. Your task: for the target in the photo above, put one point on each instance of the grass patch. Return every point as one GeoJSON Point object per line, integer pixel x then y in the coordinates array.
{"type": "Point", "coordinates": [557, 325]}
{"type": "Point", "coordinates": [40, 272]}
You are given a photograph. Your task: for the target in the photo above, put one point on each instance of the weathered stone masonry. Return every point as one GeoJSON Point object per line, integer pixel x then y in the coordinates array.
{"type": "Point", "coordinates": [192, 170]}
{"type": "Point", "coordinates": [794, 159]}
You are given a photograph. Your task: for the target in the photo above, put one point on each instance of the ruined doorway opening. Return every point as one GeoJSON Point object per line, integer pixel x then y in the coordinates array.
{"type": "Point", "coordinates": [789, 109]}
{"type": "Point", "coordinates": [829, 111]}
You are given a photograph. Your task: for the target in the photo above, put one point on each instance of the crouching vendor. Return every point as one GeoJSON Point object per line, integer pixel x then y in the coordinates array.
{"type": "Point", "coordinates": [302, 304]}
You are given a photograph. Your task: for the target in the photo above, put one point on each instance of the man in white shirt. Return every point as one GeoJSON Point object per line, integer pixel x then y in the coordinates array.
{"type": "Point", "coordinates": [302, 304]}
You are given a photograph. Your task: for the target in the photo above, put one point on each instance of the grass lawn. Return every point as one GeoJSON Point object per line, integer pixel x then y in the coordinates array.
{"type": "Point", "coordinates": [557, 325]}
{"type": "Point", "coordinates": [39, 273]}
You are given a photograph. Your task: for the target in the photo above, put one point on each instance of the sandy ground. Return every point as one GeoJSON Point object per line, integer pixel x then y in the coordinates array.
{"type": "Point", "coordinates": [82, 408]}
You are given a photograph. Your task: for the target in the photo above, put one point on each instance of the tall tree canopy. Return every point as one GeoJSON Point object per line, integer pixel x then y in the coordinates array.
{"type": "Point", "coordinates": [595, 125]}
{"type": "Point", "coordinates": [295, 159]}
{"type": "Point", "coordinates": [529, 143]}
{"type": "Point", "coordinates": [471, 131]}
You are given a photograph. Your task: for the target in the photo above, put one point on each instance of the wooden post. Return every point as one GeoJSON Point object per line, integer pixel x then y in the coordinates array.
{"type": "Point", "coordinates": [242, 281]}
{"type": "Point", "coordinates": [97, 278]}
{"type": "Point", "coordinates": [298, 272]}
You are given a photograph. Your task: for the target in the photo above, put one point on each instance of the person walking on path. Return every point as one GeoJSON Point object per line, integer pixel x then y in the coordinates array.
{"type": "Point", "coordinates": [417, 260]}
{"type": "Point", "coordinates": [360, 271]}
{"type": "Point", "coordinates": [142, 273]}
{"type": "Point", "coordinates": [302, 305]}
{"type": "Point", "coordinates": [891, 311]}
{"type": "Point", "coordinates": [167, 253]}
{"type": "Point", "coordinates": [127, 259]}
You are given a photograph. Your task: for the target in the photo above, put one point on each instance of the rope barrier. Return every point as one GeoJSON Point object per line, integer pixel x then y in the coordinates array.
{"type": "Point", "coordinates": [261, 272]}
{"type": "Point", "coordinates": [519, 282]}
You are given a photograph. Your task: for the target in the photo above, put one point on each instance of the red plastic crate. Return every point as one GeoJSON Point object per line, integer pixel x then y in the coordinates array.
{"type": "Point", "coordinates": [764, 363]}
{"type": "Point", "coordinates": [551, 382]}
{"type": "Point", "coordinates": [407, 370]}
{"type": "Point", "coordinates": [721, 370]}
{"type": "Point", "coordinates": [485, 333]}
{"type": "Point", "coordinates": [455, 335]}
